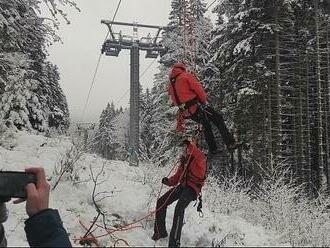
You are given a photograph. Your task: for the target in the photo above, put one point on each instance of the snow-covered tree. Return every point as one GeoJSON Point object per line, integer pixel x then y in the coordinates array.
{"type": "Point", "coordinates": [19, 104]}
{"type": "Point", "coordinates": [272, 83]}
{"type": "Point", "coordinates": [53, 98]}
{"type": "Point", "coordinates": [146, 119]}
{"type": "Point", "coordinates": [106, 140]}
{"type": "Point", "coordinates": [162, 128]}
{"type": "Point", "coordinates": [25, 35]}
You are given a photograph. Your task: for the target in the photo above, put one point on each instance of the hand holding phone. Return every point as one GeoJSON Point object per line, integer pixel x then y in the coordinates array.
{"type": "Point", "coordinates": [13, 183]}
{"type": "Point", "coordinates": [30, 185]}
{"type": "Point", "coordinates": [37, 194]}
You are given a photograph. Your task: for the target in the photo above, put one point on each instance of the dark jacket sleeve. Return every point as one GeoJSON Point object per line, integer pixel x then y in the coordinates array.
{"type": "Point", "coordinates": [45, 229]}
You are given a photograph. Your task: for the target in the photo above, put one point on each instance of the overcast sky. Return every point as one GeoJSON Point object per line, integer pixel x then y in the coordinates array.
{"type": "Point", "coordinates": [82, 41]}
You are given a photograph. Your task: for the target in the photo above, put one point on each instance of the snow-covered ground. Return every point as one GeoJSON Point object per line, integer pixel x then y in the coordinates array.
{"type": "Point", "coordinates": [131, 191]}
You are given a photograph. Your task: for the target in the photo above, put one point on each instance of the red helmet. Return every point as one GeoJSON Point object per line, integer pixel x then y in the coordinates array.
{"type": "Point", "coordinates": [179, 65]}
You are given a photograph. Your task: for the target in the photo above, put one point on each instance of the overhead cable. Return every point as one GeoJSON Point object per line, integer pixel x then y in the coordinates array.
{"type": "Point", "coordinates": [98, 64]}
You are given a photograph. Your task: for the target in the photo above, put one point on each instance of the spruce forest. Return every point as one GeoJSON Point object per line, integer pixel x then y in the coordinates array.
{"type": "Point", "coordinates": [265, 64]}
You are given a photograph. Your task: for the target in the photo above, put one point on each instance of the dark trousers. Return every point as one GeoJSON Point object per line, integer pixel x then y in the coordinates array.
{"type": "Point", "coordinates": [205, 117]}
{"type": "Point", "coordinates": [184, 195]}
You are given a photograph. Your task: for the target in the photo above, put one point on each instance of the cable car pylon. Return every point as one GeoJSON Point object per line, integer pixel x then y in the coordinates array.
{"type": "Point", "coordinates": [153, 48]}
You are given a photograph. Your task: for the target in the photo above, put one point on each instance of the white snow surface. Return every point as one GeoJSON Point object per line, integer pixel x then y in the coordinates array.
{"type": "Point", "coordinates": [130, 196]}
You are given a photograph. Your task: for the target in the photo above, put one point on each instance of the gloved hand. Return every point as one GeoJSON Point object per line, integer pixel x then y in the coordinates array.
{"type": "Point", "coordinates": [165, 181]}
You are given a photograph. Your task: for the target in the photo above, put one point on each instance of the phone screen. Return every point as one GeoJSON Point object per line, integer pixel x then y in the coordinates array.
{"type": "Point", "coordinates": [12, 183]}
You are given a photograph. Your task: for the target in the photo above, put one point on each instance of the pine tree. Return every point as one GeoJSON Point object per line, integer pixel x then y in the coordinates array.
{"type": "Point", "coordinates": [146, 136]}
{"type": "Point", "coordinates": [25, 34]}
{"type": "Point", "coordinates": [273, 80]}
{"type": "Point", "coordinates": [20, 105]}
{"type": "Point", "coordinates": [162, 128]}
{"type": "Point", "coordinates": [174, 37]}
{"type": "Point", "coordinates": [121, 126]}
{"type": "Point", "coordinates": [53, 98]}
{"type": "Point", "coordinates": [106, 140]}
{"type": "Point", "coordinates": [239, 83]}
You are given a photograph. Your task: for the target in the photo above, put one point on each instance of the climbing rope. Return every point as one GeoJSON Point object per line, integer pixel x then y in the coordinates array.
{"type": "Point", "coordinates": [189, 26]}
{"type": "Point", "coordinates": [90, 237]}
{"type": "Point", "coordinates": [97, 66]}
{"type": "Point", "coordinates": [127, 226]}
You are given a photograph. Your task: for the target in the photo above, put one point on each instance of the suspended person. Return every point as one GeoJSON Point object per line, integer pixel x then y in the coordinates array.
{"type": "Point", "coordinates": [188, 94]}
{"type": "Point", "coordinates": [186, 185]}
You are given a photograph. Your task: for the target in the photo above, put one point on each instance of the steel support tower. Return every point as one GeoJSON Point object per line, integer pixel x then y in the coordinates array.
{"type": "Point", "coordinates": [84, 128]}
{"type": "Point", "coordinates": [153, 48]}
{"type": "Point", "coordinates": [134, 115]}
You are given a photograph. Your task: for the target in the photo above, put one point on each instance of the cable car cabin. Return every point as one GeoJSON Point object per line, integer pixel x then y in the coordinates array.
{"type": "Point", "coordinates": [111, 48]}
{"type": "Point", "coordinates": [152, 54]}
{"type": "Point", "coordinates": [146, 42]}
{"type": "Point", "coordinates": [112, 51]}
{"type": "Point", "coordinates": [126, 41]}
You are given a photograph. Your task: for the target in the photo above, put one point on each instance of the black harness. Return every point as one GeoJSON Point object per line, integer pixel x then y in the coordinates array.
{"type": "Point", "coordinates": [198, 182]}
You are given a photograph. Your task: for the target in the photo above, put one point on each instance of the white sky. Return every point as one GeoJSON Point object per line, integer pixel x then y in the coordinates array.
{"type": "Point", "coordinates": [82, 41]}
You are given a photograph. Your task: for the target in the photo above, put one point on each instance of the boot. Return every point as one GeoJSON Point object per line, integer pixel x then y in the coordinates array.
{"type": "Point", "coordinates": [174, 243]}
{"type": "Point", "coordinates": [158, 236]}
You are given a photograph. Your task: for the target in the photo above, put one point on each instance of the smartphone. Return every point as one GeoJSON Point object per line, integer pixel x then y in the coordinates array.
{"type": "Point", "coordinates": [12, 183]}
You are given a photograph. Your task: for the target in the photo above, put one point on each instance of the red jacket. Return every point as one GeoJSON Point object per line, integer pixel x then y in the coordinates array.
{"type": "Point", "coordinates": [187, 88]}
{"type": "Point", "coordinates": [195, 173]}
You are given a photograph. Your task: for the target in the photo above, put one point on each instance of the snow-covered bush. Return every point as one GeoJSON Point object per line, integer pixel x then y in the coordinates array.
{"type": "Point", "coordinates": [278, 203]}
{"type": "Point", "coordinates": [7, 136]}
{"type": "Point", "coordinates": [152, 176]}
{"type": "Point", "coordinates": [283, 205]}
{"type": "Point", "coordinates": [227, 196]}
{"type": "Point", "coordinates": [65, 167]}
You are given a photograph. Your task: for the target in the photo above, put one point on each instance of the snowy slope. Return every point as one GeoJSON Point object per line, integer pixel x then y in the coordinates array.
{"type": "Point", "coordinates": [132, 194]}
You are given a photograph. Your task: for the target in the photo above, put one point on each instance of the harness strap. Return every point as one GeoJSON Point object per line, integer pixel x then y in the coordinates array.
{"type": "Point", "coordinates": [190, 103]}
{"type": "Point", "coordinates": [186, 105]}
{"type": "Point", "coordinates": [173, 81]}
{"type": "Point", "coordinates": [187, 170]}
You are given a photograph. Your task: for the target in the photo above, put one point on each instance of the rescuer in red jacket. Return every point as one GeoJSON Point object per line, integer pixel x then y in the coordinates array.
{"type": "Point", "coordinates": [186, 185]}
{"type": "Point", "coordinates": [188, 94]}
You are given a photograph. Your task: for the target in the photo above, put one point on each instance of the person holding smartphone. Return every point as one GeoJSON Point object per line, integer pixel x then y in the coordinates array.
{"type": "Point", "coordinates": [44, 227]}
